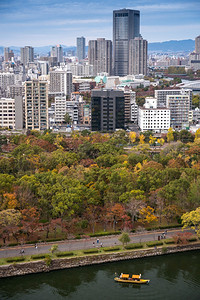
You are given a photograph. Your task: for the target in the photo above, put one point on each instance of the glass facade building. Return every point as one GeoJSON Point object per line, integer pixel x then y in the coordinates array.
{"type": "Point", "coordinates": [107, 110]}
{"type": "Point", "coordinates": [80, 46]}
{"type": "Point", "coordinates": [126, 26]}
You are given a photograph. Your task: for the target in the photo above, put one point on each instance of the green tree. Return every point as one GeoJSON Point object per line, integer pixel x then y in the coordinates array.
{"type": "Point", "coordinates": [124, 238]}
{"type": "Point", "coordinates": [67, 118]}
{"type": "Point", "coordinates": [196, 100]}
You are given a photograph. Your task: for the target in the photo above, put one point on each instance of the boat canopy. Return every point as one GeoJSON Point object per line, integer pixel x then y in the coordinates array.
{"type": "Point", "coordinates": [125, 275]}
{"type": "Point", "coordinates": [136, 276]}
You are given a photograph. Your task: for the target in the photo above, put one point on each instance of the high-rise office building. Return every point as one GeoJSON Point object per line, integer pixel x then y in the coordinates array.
{"type": "Point", "coordinates": [107, 110]}
{"type": "Point", "coordinates": [138, 56]}
{"type": "Point", "coordinates": [57, 51]}
{"type": "Point", "coordinates": [8, 54]}
{"type": "Point", "coordinates": [100, 55]}
{"type": "Point", "coordinates": [80, 44]}
{"type": "Point", "coordinates": [27, 55]}
{"type": "Point", "coordinates": [126, 26]}
{"type": "Point", "coordinates": [36, 105]}
{"type": "Point", "coordinates": [197, 44]}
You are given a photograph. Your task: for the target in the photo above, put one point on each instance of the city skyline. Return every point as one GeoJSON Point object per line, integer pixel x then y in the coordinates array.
{"type": "Point", "coordinates": [28, 22]}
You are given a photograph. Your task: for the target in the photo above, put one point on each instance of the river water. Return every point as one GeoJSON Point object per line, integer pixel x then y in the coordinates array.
{"type": "Point", "coordinates": [172, 277]}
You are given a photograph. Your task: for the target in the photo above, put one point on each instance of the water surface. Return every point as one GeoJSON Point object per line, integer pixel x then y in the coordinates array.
{"type": "Point", "coordinates": [173, 277]}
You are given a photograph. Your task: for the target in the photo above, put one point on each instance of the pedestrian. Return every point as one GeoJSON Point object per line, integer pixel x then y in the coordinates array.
{"type": "Point", "coordinates": [36, 246]}
{"type": "Point", "coordinates": [101, 245]}
{"type": "Point", "coordinates": [22, 250]}
{"type": "Point", "coordinates": [93, 243]}
{"type": "Point", "coordinates": [97, 241]}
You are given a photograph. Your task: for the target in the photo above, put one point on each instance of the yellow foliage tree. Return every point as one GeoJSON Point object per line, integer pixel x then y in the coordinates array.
{"type": "Point", "coordinates": [161, 141]}
{"type": "Point", "coordinates": [58, 141]}
{"type": "Point", "coordinates": [147, 215]}
{"type": "Point", "coordinates": [192, 219]}
{"type": "Point", "coordinates": [132, 136]}
{"type": "Point", "coordinates": [152, 140]}
{"type": "Point", "coordinates": [9, 201]}
{"type": "Point", "coordinates": [142, 138]}
{"type": "Point", "coordinates": [170, 136]}
{"type": "Point", "coordinates": [197, 134]}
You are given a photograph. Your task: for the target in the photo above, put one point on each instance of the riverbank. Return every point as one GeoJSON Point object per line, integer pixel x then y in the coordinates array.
{"type": "Point", "coordinates": [40, 266]}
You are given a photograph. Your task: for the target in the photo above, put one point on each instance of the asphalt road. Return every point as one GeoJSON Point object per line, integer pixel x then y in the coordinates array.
{"type": "Point", "coordinates": [69, 245]}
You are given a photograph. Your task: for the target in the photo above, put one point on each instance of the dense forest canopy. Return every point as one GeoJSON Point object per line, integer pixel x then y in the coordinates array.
{"type": "Point", "coordinates": [49, 180]}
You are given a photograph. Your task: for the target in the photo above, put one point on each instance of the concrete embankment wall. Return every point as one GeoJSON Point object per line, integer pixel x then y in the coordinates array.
{"type": "Point", "coordinates": [65, 263]}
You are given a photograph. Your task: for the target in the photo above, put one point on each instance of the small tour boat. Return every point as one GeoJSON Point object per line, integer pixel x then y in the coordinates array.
{"type": "Point", "coordinates": [126, 278]}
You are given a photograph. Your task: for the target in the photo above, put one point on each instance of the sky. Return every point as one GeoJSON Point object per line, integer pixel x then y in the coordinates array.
{"type": "Point", "coordinates": [50, 22]}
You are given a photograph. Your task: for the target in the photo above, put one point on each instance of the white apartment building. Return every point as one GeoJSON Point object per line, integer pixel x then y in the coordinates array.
{"type": "Point", "coordinates": [11, 113]}
{"type": "Point", "coordinates": [60, 82]}
{"type": "Point", "coordinates": [6, 79]}
{"type": "Point", "coordinates": [7, 113]}
{"type": "Point", "coordinates": [72, 108]}
{"type": "Point", "coordinates": [161, 96]}
{"type": "Point", "coordinates": [179, 106]}
{"type": "Point", "coordinates": [130, 106]}
{"type": "Point", "coordinates": [152, 118]}
{"type": "Point", "coordinates": [81, 69]}
{"type": "Point", "coordinates": [60, 108]}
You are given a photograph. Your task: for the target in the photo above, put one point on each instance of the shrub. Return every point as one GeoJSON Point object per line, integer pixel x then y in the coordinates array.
{"type": "Point", "coordinates": [62, 254]}
{"type": "Point", "coordinates": [182, 238]}
{"type": "Point", "coordinates": [38, 256]}
{"type": "Point", "coordinates": [107, 249]}
{"type": "Point", "coordinates": [12, 244]}
{"type": "Point", "coordinates": [90, 251]}
{"type": "Point", "coordinates": [32, 242]}
{"type": "Point", "coordinates": [169, 241]}
{"type": "Point", "coordinates": [78, 237]}
{"type": "Point", "coordinates": [15, 259]}
{"type": "Point", "coordinates": [154, 243]}
{"type": "Point", "coordinates": [104, 233]}
{"type": "Point", "coordinates": [164, 250]}
{"type": "Point", "coordinates": [133, 246]}
{"type": "Point", "coordinates": [48, 260]}
{"type": "Point", "coordinates": [192, 239]}
{"type": "Point", "coordinates": [53, 240]}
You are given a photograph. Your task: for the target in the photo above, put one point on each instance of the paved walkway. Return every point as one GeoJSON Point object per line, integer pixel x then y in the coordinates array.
{"type": "Point", "coordinates": [70, 245]}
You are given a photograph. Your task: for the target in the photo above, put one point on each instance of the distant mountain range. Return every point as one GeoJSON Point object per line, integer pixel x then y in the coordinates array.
{"type": "Point", "coordinates": [162, 47]}
{"type": "Point", "coordinates": [172, 46]}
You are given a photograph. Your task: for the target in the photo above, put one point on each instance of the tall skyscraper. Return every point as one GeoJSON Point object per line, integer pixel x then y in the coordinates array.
{"type": "Point", "coordinates": [100, 55]}
{"type": "Point", "coordinates": [80, 44]}
{"type": "Point", "coordinates": [27, 55]}
{"type": "Point", "coordinates": [8, 54]}
{"type": "Point", "coordinates": [138, 56]}
{"type": "Point", "coordinates": [126, 26]}
{"type": "Point", "coordinates": [197, 44]}
{"type": "Point", "coordinates": [36, 105]}
{"type": "Point", "coordinates": [57, 51]}
{"type": "Point", "coordinates": [107, 110]}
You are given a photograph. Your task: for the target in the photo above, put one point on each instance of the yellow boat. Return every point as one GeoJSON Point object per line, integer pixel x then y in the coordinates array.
{"type": "Point", "coordinates": [136, 279]}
